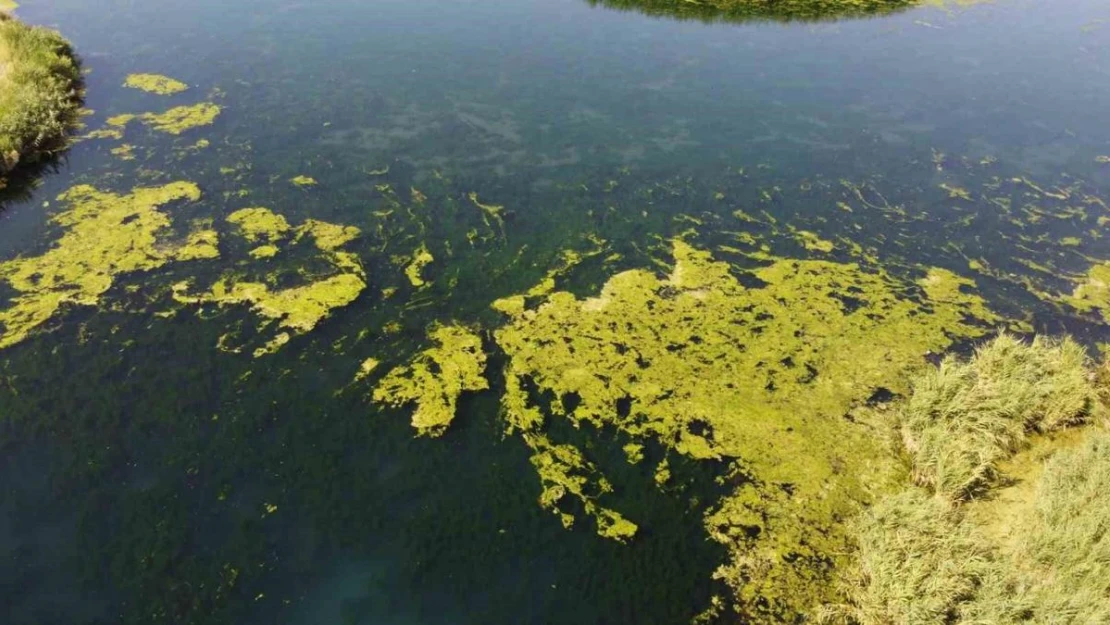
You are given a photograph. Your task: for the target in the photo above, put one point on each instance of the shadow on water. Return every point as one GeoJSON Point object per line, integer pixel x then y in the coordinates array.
{"type": "Point", "coordinates": [19, 186]}
{"type": "Point", "coordinates": [740, 11]}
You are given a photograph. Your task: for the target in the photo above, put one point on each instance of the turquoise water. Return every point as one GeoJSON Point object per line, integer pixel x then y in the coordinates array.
{"type": "Point", "coordinates": [138, 459]}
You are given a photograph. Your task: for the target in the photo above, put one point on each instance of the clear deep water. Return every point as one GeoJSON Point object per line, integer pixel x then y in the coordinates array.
{"type": "Point", "coordinates": [138, 461]}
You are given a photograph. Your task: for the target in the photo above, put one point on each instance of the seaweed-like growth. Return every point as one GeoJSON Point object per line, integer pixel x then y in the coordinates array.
{"type": "Point", "coordinates": [760, 10]}
{"type": "Point", "coordinates": [105, 235]}
{"type": "Point", "coordinates": [297, 309]}
{"type": "Point", "coordinates": [965, 417]}
{"type": "Point", "coordinates": [436, 377]}
{"type": "Point", "coordinates": [41, 93]}
{"type": "Point", "coordinates": [414, 271]}
{"type": "Point", "coordinates": [759, 378]}
{"type": "Point", "coordinates": [155, 83]}
{"type": "Point", "coordinates": [174, 121]}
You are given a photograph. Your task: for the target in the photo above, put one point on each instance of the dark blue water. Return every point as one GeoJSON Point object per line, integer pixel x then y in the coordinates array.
{"type": "Point", "coordinates": [136, 460]}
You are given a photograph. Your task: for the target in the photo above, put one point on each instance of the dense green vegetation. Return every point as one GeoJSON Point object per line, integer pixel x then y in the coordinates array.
{"type": "Point", "coordinates": [746, 10]}
{"type": "Point", "coordinates": [990, 536]}
{"type": "Point", "coordinates": [40, 93]}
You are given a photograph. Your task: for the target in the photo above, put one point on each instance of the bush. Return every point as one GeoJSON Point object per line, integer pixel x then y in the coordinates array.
{"type": "Point", "coordinates": [40, 93]}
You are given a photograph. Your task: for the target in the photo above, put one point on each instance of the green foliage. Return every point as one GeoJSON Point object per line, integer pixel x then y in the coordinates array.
{"type": "Point", "coordinates": [965, 417]}
{"type": "Point", "coordinates": [40, 92]}
{"type": "Point", "coordinates": [747, 10]}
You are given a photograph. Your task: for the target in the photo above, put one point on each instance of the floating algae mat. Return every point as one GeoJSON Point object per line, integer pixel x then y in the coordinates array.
{"type": "Point", "coordinates": [664, 313]}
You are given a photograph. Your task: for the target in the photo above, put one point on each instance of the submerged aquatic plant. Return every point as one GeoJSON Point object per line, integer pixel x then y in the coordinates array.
{"type": "Point", "coordinates": [40, 93]}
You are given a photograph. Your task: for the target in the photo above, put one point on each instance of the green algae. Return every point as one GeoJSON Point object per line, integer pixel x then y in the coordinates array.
{"type": "Point", "coordinates": [125, 152]}
{"type": "Point", "coordinates": [303, 181]}
{"type": "Point", "coordinates": [174, 121]}
{"type": "Point", "coordinates": [8, 5]}
{"type": "Point", "coordinates": [297, 310]}
{"type": "Point", "coordinates": [759, 378]}
{"type": "Point", "coordinates": [1093, 292]}
{"type": "Point", "coordinates": [104, 235]}
{"type": "Point", "coordinates": [436, 377]}
{"type": "Point", "coordinates": [183, 118]}
{"type": "Point", "coordinates": [155, 83]}
{"type": "Point", "coordinates": [259, 224]}
{"type": "Point", "coordinates": [415, 268]}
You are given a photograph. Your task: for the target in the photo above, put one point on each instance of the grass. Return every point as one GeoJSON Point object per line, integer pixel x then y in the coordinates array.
{"type": "Point", "coordinates": [935, 554]}
{"type": "Point", "coordinates": [966, 417]}
{"type": "Point", "coordinates": [40, 93]}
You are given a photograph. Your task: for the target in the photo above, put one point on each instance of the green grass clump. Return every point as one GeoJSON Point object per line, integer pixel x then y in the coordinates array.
{"type": "Point", "coordinates": [919, 563]}
{"type": "Point", "coordinates": [965, 417]}
{"type": "Point", "coordinates": [40, 93]}
{"type": "Point", "coordinates": [985, 537]}
{"type": "Point", "coordinates": [1067, 540]}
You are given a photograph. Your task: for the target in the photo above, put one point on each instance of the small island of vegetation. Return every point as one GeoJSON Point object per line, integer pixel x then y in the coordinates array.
{"type": "Point", "coordinates": [749, 10]}
{"type": "Point", "coordinates": [40, 94]}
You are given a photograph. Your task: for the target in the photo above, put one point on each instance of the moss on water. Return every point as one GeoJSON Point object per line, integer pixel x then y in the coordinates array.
{"type": "Point", "coordinates": [155, 83]}
{"type": "Point", "coordinates": [174, 121]}
{"type": "Point", "coordinates": [104, 235]}
{"type": "Point", "coordinates": [758, 378]}
{"type": "Point", "coordinates": [414, 270]}
{"type": "Point", "coordinates": [296, 310]}
{"type": "Point", "coordinates": [259, 224]}
{"type": "Point", "coordinates": [436, 377]}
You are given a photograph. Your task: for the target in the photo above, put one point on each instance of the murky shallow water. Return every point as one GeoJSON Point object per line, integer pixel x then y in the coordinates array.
{"type": "Point", "coordinates": [140, 462]}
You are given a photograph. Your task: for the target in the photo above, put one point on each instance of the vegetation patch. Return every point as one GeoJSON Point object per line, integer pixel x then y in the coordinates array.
{"type": "Point", "coordinates": [747, 10]}
{"type": "Point", "coordinates": [155, 83]}
{"type": "Point", "coordinates": [435, 378]}
{"type": "Point", "coordinates": [40, 93]}
{"type": "Point", "coordinates": [1004, 541]}
{"type": "Point", "coordinates": [298, 309]}
{"type": "Point", "coordinates": [175, 121]}
{"type": "Point", "coordinates": [104, 235]}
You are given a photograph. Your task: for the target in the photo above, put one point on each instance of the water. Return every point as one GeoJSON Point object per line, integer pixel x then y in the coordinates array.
{"type": "Point", "coordinates": [138, 460]}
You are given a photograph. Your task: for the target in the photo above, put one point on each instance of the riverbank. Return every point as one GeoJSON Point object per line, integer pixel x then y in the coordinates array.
{"type": "Point", "coordinates": [40, 94]}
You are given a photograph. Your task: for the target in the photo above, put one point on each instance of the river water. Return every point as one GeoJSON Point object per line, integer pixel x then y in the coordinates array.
{"type": "Point", "coordinates": [149, 476]}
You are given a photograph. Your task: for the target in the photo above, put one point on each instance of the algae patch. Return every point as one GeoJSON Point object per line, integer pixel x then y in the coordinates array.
{"type": "Point", "coordinates": [174, 121]}
{"type": "Point", "coordinates": [155, 83]}
{"type": "Point", "coordinates": [295, 310]}
{"type": "Point", "coordinates": [436, 377]}
{"type": "Point", "coordinates": [415, 269]}
{"type": "Point", "coordinates": [105, 235]}
{"type": "Point", "coordinates": [759, 378]}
